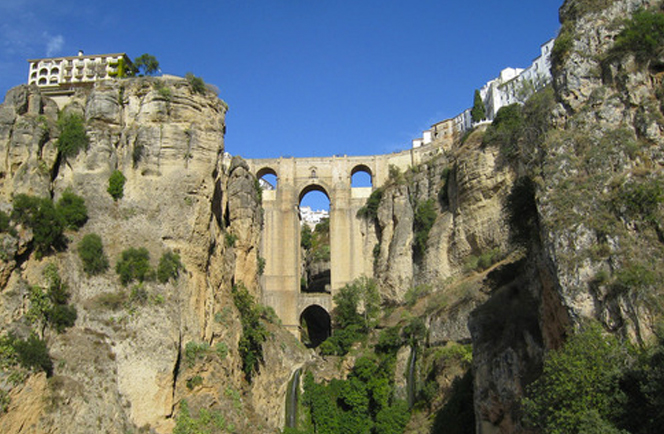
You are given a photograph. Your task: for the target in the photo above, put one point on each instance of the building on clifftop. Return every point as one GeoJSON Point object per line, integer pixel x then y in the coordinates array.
{"type": "Point", "coordinates": [60, 75]}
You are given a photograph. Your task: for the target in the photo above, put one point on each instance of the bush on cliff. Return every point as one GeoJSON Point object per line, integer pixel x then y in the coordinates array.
{"type": "Point", "coordinates": [134, 264]}
{"type": "Point", "coordinates": [91, 252]}
{"type": "Point", "coordinates": [72, 134]}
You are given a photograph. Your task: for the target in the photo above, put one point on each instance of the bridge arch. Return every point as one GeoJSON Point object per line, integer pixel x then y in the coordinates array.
{"type": "Point", "coordinates": [361, 176]}
{"type": "Point", "coordinates": [311, 186]}
{"type": "Point", "coordinates": [269, 175]}
{"type": "Point", "coordinates": [316, 325]}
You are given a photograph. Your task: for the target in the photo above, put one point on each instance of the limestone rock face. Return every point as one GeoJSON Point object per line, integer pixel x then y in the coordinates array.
{"type": "Point", "coordinates": [136, 352]}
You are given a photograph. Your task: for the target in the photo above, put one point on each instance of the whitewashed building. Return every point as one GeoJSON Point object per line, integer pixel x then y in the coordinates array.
{"type": "Point", "coordinates": [58, 74]}
{"type": "Point", "coordinates": [513, 85]}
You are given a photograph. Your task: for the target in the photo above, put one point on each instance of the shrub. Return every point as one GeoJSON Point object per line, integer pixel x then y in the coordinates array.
{"type": "Point", "coordinates": [40, 215]}
{"type": "Point", "coordinates": [194, 351]}
{"type": "Point", "coordinates": [72, 134]}
{"type": "Point", "coordinates": [643, 36]}
{"type": "Point", "coordinates": [72, 209]}
{"type": "Point", "coordinates": [562, 46]}
{"type": "Point", "coordinates": [169, 267]}
{"type": "Point", "coordinates": [5, 225]}
{"type": "Point", "coordinates": [116, 184]}
{"type": "Point", "coordinates": [91, 252]}
{"type": "Point", "coordinates": [506, 129]}
{"type": "Point", "coordinates": [425, 217]}
{"type": "Point", "coordinates": [222, 350]}
{"type": "Point", "coordinates": [370, 210]}
{"type": "Point", "coordinates": [197, 84]}
{"type": "Point", "coordinates": [414, 293]}
{"type": "Point", "coordinates": [32, 353]}
{"type": "Point", "coordinates": [230, 239]}
{"type": "Point", "coordinates": [208, 421]}
{"type": "Point", "coordinates": [253, 331]}
{"type": "Point", "coordinates": [134, 264]}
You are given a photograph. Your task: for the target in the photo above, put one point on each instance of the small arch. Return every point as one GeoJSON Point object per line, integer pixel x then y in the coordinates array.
{"type": "Point", "coordinates": [267, 178]}
{"type": "Point", "coordinates": [314, 172]}
{"type": "Point", "coordinates": [33, 76]}
{"type": "Point", "coordinates": [42, 81]}
{"type": "Point", "coordinates": [55, 71]}
{"type": "Point", "coordinates": [316, 325]}
{"type": "Point", "coordinates": [43, 72]}
{"type": "Point", "coordinates": [361, 176]}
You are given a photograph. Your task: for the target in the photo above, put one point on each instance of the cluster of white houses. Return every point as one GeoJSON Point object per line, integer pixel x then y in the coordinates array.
{"type": "Point", "coordinates": [513, 85]}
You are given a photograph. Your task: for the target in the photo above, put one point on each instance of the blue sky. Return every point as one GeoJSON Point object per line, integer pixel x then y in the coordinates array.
{"type": "Point", "coordinates": [302, 77]}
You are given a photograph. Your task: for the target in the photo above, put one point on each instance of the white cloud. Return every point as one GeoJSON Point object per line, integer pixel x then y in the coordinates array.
{"type": "Point", "coordinates": [54, 44]}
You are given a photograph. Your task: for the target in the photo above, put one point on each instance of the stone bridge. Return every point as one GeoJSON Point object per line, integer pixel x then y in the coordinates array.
{"type": "Point", "coordinates": [350, 257]}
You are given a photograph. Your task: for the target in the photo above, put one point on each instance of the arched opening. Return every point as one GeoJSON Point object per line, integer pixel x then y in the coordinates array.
{"type": "Point", "coordinates": [316, 326]}
{"type": "Point", "coordinates": [267, 178]}
{"type": "Point", "coordinates": [55, 71]}
{"type": "Point", "coordinates": [42, 80]}
{"type": "Point", "coordinates": [43, 72]}
{"type": "Point", "coordinates": [315, 265]}
{"type": "Point", "coordinates": [361, 177]}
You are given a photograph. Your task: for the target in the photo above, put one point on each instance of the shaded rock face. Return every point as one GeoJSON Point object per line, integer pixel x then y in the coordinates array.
{"type": "Point", "coordinates": [131, 358]}
{"type": "Point", "coordinates": [467, 189]}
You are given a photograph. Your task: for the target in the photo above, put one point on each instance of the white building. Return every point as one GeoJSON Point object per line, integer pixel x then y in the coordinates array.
{"type": "Point", "coordinates": [60, 74]}
{"type": "Point", "coordinates": [311, 217]}
{"type": "Point", "coordinates": [513, 85]}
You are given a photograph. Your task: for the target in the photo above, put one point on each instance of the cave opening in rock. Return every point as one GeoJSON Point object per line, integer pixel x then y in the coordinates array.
{"type": "Point", "coordinates": [316, 326]}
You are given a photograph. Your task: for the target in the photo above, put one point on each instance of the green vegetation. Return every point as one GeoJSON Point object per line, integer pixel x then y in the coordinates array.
{"type": "Point", "coordinates": [478, 112]}
{"type": "Point", "coordinates": [363, 403]}
{"type": "Point", "coordinates": [416, 292]}
{"type": "Point", "coordinates": [91, 252]}
{"type": "Point", "coordinates": [254, 332]}
{"type": "Point", "coordinates": [562, 46]}
{"type": "Point", "coordinates": [579, 383]}
{"type": "Point", "coordinates": [72, 134]}
{"type": "Point", "coordinates": [207, 421]}
{"type": "Point", "coordinates": [197, 84]}
{"type": "Point", "coordinates": [5, 224]}
{"type": "Point", "coordinates": [642, 36]}
{"type": "Point", "coordinates": [30, 353]}
{"type": "Point", "coordinates": [146, 64]}
{"type": "Point", "coordinates": [506, 129]}
{"type": "Point", "coordinates": [169, 267]}
{"type": "Point", "coordinates": [195, 351]}
{"type": "Point", "coordinates": [50, 306]}
{"type": "Point", "coordinates": [230, 239]}
{"type": "Point", "coordinates": [370, 210]}
{"type": "Point", "coordinates": [134, 264]}
{"type": "Point", "coordinates": [484, 261]}
{"type": "Point", "coordinates": [116, 184]}
{"type": "Point", "coordinates": [425, 217]}
{"type": "Point", "coordinates": [357, 308]}
{"type": "Point", "coordinates": [41, 216]}
{"type": "Point", "coordinates": [72, 209]}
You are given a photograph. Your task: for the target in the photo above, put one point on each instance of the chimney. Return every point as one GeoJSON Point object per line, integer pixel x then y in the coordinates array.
{"type": "Point", "coordinates": [80, 53]}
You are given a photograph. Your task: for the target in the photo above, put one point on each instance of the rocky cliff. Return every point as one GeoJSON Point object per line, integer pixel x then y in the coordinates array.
{"type": "Point", "coordinates": [487, 257]}
{"type": "Point", "coordinates": [136, 352]}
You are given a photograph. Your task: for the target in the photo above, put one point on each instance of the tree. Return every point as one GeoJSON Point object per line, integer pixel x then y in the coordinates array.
{"type": "Point", "coordinates": [478, 112]}
{"type": "Point", "coordinates": [146, 64]}
{"type": "Point", "coordinates": [579, 384]}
